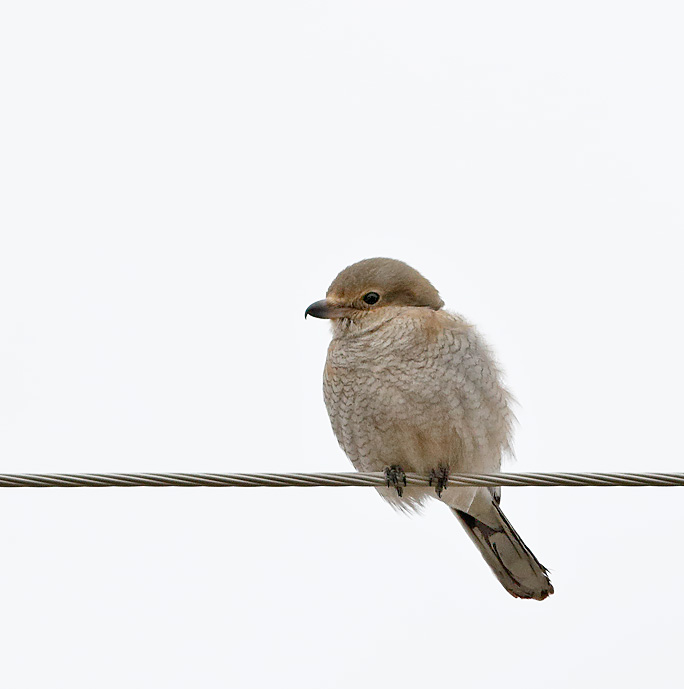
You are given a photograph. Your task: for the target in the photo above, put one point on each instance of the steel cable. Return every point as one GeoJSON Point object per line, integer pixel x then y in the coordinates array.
{"type": "Point", "coordinates": [182, 480]}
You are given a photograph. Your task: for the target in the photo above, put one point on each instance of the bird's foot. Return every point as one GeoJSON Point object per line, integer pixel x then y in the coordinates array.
{"type": "Point", "coordinates": [439, 478]}
{"type": "Point", "coordinates": [396, 477]}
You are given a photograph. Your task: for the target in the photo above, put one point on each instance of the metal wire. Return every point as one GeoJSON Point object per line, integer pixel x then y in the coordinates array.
{"type": "Point", "coordinates": [328, 480]}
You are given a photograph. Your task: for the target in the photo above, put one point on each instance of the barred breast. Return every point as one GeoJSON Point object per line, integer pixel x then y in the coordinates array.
{"type": "Point", "coordinates": [420, 390]}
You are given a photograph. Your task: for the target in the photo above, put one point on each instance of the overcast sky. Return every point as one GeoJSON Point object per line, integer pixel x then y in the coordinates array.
{"type": "Point", "coordinates": [180, 180]}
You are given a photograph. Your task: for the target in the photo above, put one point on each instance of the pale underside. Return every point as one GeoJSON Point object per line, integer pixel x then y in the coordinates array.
{"type": "Point", "coordinates": [417, 388]}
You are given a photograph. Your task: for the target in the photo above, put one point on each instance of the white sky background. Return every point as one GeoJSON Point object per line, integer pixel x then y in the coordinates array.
{"type": "Point", "coordinates": [180, 180]}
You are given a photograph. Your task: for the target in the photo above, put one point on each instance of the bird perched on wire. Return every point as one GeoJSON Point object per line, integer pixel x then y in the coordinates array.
{"type": "Point", "coordinates": [411, 387]}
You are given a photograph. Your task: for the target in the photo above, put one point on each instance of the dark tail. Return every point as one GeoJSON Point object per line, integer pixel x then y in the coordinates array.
{"type": "Point", "coordinates": [513, 563]}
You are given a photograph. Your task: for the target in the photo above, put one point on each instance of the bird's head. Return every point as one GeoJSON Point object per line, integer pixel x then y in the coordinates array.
{"type": "Point", "coordinates": [366, 288]}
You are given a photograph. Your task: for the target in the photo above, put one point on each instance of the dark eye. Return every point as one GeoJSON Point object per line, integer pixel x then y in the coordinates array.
{"type": "Point", "coordinates": [371, 298]}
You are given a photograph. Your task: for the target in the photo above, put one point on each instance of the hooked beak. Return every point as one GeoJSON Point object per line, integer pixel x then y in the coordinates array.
{"type": "Point", "coordinates": [324, 309]}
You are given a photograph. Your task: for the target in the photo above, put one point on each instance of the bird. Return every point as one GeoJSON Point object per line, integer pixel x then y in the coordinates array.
{"type": "Point", "coordinates": [412, 387]}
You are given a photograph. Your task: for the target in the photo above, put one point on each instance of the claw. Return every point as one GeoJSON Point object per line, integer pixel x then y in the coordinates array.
{"type": "Point", "coordinates": [440, 479]}
{"type": "Point", "coordinates": [396, 477]}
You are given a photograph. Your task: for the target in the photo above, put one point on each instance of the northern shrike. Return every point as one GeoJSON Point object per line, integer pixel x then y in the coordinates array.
{"type": "Point", "coordinates": [411, 387]}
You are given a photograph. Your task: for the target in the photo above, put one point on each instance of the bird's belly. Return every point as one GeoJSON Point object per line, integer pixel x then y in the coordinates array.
{"type": "Point", "coordinates": [379, 422]}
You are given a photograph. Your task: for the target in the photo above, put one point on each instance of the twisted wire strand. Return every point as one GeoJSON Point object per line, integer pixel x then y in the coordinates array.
{"type": "Point", "coordinates": [182, 480]}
